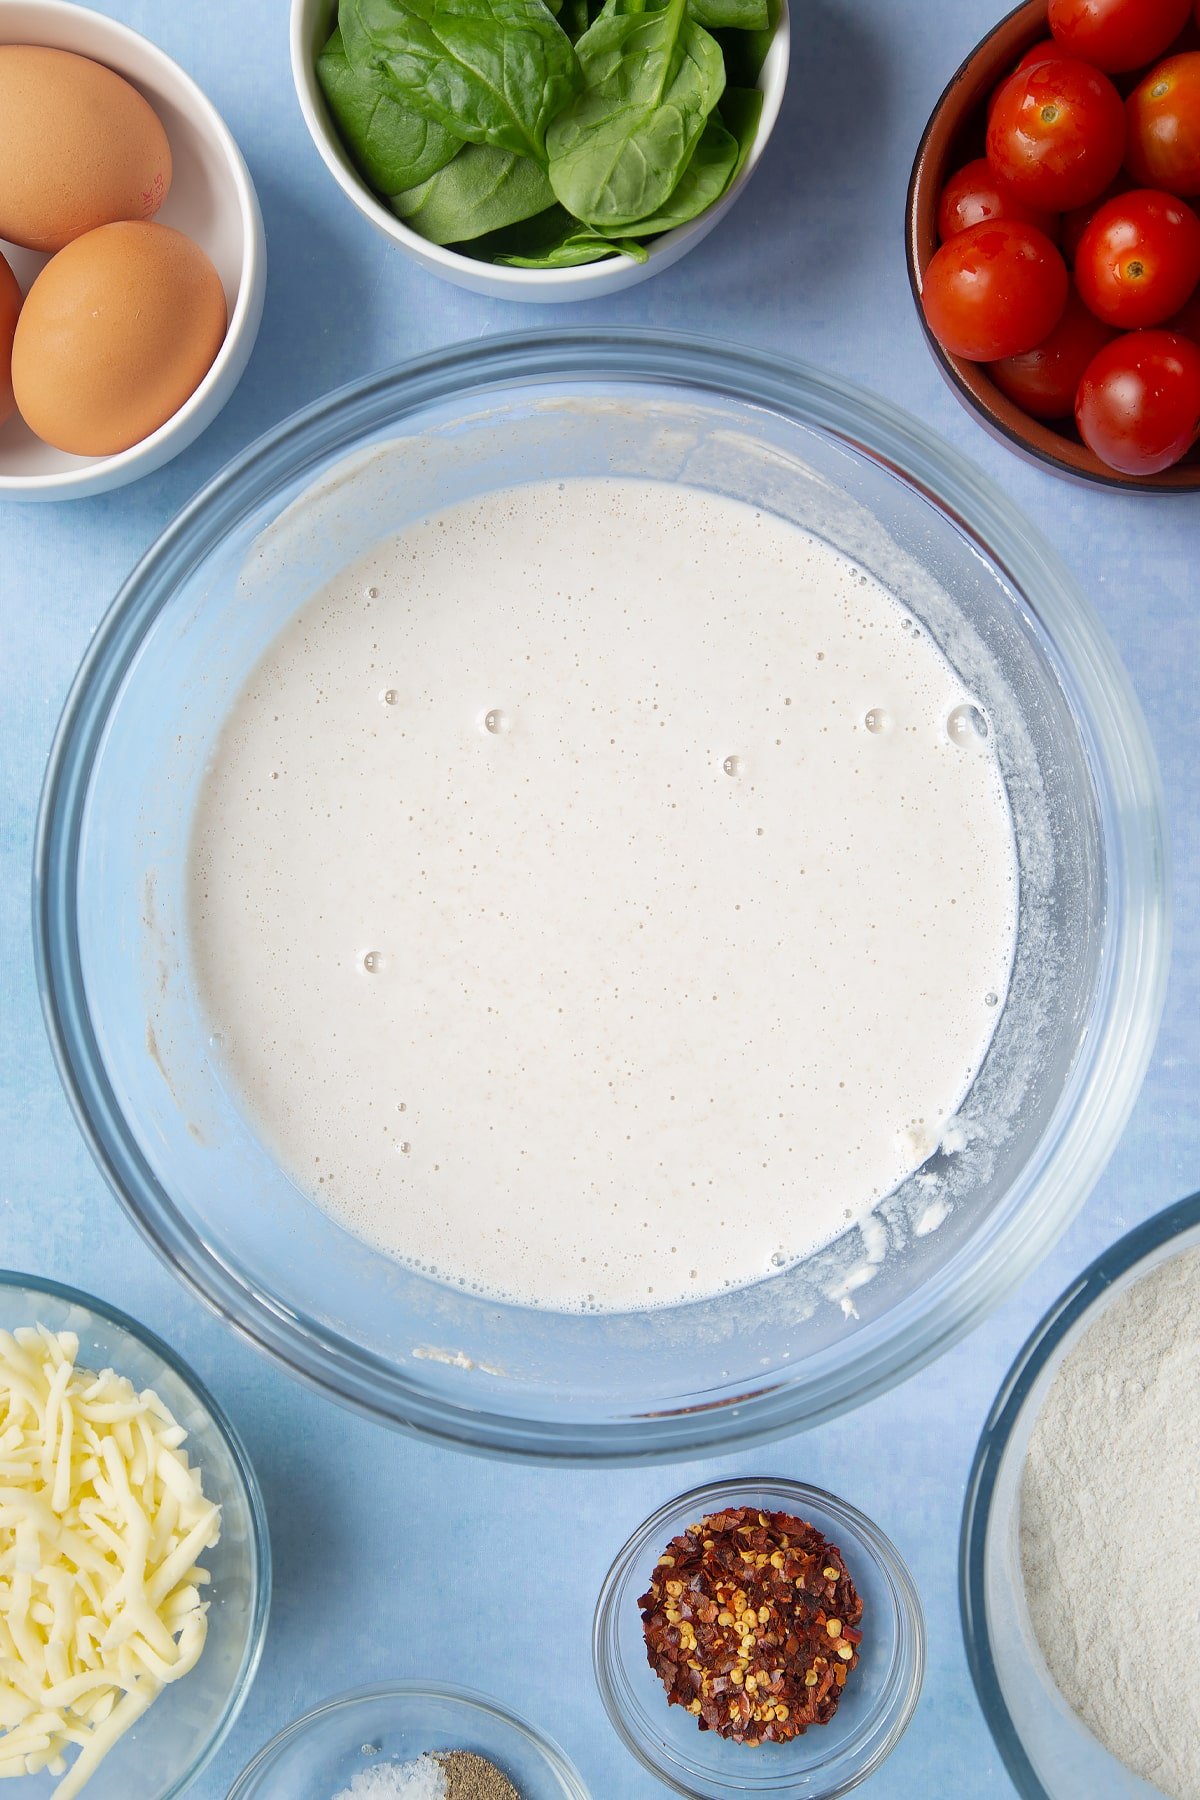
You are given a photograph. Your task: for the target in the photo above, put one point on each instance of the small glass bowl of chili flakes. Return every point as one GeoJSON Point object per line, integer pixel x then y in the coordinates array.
{"type": "Point", "coordinates": [842, 1662]}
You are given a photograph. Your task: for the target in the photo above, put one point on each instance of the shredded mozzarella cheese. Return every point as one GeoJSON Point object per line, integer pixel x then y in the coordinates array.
{"type": "Point", "coordinates": [102, 1519]}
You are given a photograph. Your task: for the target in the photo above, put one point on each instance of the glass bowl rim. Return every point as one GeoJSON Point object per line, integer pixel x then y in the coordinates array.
{"type": "Point", "coordinates": [260, 1612]}
{"type": "Point", "coordinates": [712, 1496]}
{"type": "Point", "coordinates": [1077, 1299]}
{"type": "Point", "coordinates": [1089, 1114]}
{"type": "Point", "coordinates": [556, 1758]}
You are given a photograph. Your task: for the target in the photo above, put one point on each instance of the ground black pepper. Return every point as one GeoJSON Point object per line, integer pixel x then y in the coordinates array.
{"type": "Point", "coordinates": [472, 1777]}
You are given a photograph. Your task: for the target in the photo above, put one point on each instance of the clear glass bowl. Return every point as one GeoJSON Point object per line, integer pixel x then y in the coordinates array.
{"type": "Point", "coordinates": [1070, 1046]}
{"type": "Point", "coordinates": [318, 1756]}
{"type": "Point", "coordinates": [164, 1753]}
{"type": "Point", "coordinates": [1047, 1751]}
{"type": "Point", "coordinates": [878, 1700]}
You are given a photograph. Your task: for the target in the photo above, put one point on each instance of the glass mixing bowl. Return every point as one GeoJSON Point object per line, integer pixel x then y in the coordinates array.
{"type": "Point", "coordinates": [319, 1755]}
{"type": "Point", "coordinates": [161, 1756]}
{"type": "Point", "coordinates": [1049, 1753]}
{"type": "Point", "coordinates": [1069, 1049]}
{"type": "Point", "coordinates": [825, 1761]}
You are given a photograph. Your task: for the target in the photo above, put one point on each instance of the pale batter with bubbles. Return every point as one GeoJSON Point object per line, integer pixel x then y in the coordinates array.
{"type": "Point", "coordinates": [602, 894]}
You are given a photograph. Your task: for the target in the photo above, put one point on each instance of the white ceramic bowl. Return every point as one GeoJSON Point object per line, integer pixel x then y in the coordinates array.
{"type": "Point", "coordinates": [212, 200]}
{"type": "Point", "coordinates": [312, 21]}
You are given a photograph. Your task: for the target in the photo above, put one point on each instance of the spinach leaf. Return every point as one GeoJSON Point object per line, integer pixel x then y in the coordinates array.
{"type": "Point", "coordinates": [701, 184]}
{"type": "Point", "coordinates": [714, 15]}
{"type": "Point", "coordinates": [481, 190]}
{"type": "Point", "coordinates": [620, 147]}
{"type": "Point", "coordinates": [539, 243]}
{"type": "Point", "coordinates": [583, 247]}
{"type": "Point", "coordinates": [527, 237]}
{"type": "Point", "coordinates": [493, 72]}
{"type": "Point", "coordinates": [554, 240]}
{"type": "Point", "coordinates": [731, 15]}
{"type": "Point", "coordinates": [745, 52]}
{"type": "Point", "coordinates": [575, 19]}
{"type": "Point", "coordinates": [741, 112]}
{"type": "Point", "coordinates": [391, 146]}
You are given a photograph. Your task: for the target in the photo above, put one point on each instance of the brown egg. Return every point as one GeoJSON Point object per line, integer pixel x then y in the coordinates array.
{"type": "Point", "coordinates": [79, 147]}
{"type": "Point", "coordinates": [115, 334]}
{"type": "Point", "coordinates": [10, 306]}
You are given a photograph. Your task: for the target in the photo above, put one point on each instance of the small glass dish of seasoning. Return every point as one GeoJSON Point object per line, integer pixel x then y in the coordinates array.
{"type": "Point", "coordinates": [806, 1701]}
{"type": "Point", "coordinates": [410, 1738]}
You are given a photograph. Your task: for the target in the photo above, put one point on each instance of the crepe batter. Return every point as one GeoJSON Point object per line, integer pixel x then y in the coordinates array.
{"type": "Point", "coordinates": [602, 894]}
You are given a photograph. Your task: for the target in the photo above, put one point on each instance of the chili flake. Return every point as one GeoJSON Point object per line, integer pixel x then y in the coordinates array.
{"type": "Point", "coordinates": [751, 1623]}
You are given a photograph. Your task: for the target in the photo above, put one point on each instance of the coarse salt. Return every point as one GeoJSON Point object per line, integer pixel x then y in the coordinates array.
{"type": "Point", "coordinates": [424, 1779]}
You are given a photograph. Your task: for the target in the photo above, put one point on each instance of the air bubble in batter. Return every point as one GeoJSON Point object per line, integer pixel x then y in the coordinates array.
{"type": "Point", "coordinates": [967, 727]}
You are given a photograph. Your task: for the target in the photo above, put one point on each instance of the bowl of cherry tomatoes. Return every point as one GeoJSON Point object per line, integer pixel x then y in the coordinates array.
{"type": "Point", "coordinates": [1054, 238]}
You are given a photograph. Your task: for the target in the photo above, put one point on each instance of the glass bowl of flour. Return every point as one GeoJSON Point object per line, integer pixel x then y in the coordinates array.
{"type": "Point", "coordinates": [1081, 1542]}
{"type": "Point", "coordinates": [601, 896]}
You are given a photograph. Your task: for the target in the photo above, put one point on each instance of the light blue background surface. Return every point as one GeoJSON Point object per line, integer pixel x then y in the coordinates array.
{"type": "Point", "coordinates": [391, 1558]}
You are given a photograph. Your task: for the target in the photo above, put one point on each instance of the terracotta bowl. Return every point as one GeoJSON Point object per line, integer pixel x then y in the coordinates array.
{"type": "Point", "coordinates": [954, 135]}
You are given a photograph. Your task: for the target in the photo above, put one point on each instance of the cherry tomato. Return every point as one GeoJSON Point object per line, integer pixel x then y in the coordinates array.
{"type": "Point", "coordinates": [1139, 401]}
{"type": "Point", "coordinates": [1117, 34]}
{"type": "Point", "coordinates": [995, 290]}
{"type": "Point", "coordinates": [1045, 380]}
{"type": "Point", "coordinates": [1139, 259]}
{"type": "Point", "coordinates": [1076, 222]}
{"type": "Point", "coordinates": [975, 195]}
{"type": "Point", "coordinates": [1163, 119]}
{"type": "Point", "coordinates": [1043, 51]}
{"type": "Point", "coordinates": [1187, 320]}
{"type": "Point", "coordinates": [1057, 134]}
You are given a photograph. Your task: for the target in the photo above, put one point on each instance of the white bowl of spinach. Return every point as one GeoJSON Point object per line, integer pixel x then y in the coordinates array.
{"type": "Point", "coordinates": [541, 149]}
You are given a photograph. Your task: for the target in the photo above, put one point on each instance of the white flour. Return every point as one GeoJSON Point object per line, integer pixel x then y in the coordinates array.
{"type": "Point", "coordinates": [1110, 1528]}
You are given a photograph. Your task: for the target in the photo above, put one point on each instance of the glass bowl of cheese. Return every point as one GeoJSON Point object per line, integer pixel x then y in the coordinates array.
{"type": "Point", "coordinates": [125, 1450]}
{"type": "Point", "coordinates": [457, 462]}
